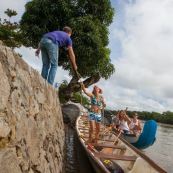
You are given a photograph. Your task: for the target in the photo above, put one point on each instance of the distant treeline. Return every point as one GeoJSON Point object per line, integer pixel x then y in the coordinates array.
{"type": "Point", "coordinates": [165, 117]}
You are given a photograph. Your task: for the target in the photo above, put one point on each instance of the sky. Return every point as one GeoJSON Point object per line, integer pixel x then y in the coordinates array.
{"type": "Point", "coordinates": [141, 41]}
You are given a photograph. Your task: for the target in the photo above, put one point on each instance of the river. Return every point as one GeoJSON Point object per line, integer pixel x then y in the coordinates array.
{"type": "Point", "coordinates": [160, 152]}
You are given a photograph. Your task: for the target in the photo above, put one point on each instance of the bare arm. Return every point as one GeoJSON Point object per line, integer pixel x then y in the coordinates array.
{"type": "Point", "coordinates": [139, 124]}
{"type": "Point", "coordinates": [127, 119]}
{"type": "Point", "coordinates": [37, 52]}
{"type": "Point", "coordinates": [85, 91]}
{"type": "Point", "coordinates": [72, 57]}
{"type": "Point", "coordinates": [103, 100]}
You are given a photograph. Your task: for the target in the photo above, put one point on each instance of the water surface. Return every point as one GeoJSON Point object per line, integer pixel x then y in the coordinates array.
{"type": "Point", "coordinates": [162, 150]}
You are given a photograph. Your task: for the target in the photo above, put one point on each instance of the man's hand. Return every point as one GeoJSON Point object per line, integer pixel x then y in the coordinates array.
{"type": "Point", "coordinates": [37, 52]}
{"type": "Point", "coordinates": [75, 67]}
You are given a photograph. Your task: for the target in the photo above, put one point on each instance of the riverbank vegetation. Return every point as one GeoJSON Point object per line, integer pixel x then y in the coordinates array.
{"type": "Point", "coordinates": [165, 117]}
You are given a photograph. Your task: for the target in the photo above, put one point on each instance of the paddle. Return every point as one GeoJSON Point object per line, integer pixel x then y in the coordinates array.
{"type": "Point", "coordinates": [110, 150]}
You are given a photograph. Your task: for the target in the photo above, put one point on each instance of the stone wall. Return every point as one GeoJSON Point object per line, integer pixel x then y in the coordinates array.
{"type": "Point", "coordinates": [32, 137]}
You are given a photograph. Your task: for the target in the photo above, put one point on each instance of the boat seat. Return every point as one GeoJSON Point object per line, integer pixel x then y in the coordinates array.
{"type": "Point", "coordinates": [109, 146]}
{"type": "Point", "coordinates": [101, 139]}
{"type": "Point", "coordinates": [114, 156]}
{"type": "Point", "coordinates": [84, 132]}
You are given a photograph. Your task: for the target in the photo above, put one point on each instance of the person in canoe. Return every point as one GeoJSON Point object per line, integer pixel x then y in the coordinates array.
{"type": "Point", "coordinates": [115, 120]}
{"type": "Point", "coordinates": [124, 122]}
{"type": "Point", "coordinates": [135, 125]}
{"type": "Point", "coordinates": [97, 101]}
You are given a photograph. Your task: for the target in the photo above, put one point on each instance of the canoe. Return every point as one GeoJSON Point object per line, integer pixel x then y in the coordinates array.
{"type": "Point", "coordinates": [113, 154]}
{"type": "Point", "coordinates": [145, 139]}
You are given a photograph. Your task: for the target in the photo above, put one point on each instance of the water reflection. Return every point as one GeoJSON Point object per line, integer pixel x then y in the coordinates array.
{"type": "Point", "coordinates": [76, 159]}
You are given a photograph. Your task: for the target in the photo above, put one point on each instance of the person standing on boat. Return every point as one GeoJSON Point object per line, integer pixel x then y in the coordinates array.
{"type": "Point", "coordinates": [97, 101]}
{"type": "Point", "coordinates": [124, 121]}
{"type": "Point", "coordinates": [135, 125]}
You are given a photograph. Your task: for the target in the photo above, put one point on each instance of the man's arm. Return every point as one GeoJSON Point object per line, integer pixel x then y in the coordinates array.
{"type": "Point", "coordinates": [72, 57]}
{"type": "Point", "coordinates": [37, 52]}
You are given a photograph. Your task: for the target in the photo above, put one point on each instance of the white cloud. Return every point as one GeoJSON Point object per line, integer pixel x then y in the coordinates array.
{"type": "Point", "coordinates": [141, 39]}
{"type": "Point", "coordinates": [145, 64]}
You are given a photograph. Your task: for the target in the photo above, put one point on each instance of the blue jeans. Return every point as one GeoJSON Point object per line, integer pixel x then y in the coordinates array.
{"type": "Point", "coordinates": [50, 53]}
{"type": "Point", "coordinates": [126, 131]}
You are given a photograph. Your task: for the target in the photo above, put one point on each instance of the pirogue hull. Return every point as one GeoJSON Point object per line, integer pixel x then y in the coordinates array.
{"type": "Point", "coordinates": [113, 154]}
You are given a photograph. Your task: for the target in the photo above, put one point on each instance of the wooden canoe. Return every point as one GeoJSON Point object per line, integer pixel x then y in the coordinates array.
{"type": "Point", "coordinates": [145, 139]}
{"type": "Point", "coordinates": [113, 154]}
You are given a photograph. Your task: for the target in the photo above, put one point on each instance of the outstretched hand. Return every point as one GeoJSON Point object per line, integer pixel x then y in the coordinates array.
{"type": "Point", "coordinates": [75, 67]}
{"type": "Point", "coordinates": [37, 52]}
{"type": "Point", "coordinates": [81, 83]}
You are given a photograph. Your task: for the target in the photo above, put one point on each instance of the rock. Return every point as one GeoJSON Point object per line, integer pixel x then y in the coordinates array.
{"type": "Point", "coordinates": [9, 162]}
{"type": "Point", "coordinates": [70, 113]}
{"type": "Point", "coordinates": [30, 116]}
{"type": "Point", "coordinates": [4, 89]}
{"type": "Point", "coordinates": [4, 128]}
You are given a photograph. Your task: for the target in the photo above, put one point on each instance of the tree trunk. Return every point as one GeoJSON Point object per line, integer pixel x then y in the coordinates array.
{"type": "Point", "coordinates": [74, 85]}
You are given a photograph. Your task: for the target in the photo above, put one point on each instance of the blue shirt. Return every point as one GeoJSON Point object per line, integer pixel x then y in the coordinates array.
{"type": "Point", "coordinates": [60, 38]}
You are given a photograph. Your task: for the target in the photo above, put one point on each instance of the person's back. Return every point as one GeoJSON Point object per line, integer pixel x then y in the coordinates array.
{"type": "Point", "coordinates": [60, 38]}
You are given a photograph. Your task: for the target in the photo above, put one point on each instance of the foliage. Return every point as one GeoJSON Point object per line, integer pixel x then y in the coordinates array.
{"type": "Point", "coordinates": [61, 96]}
{"type": "Point", "coordinates": [89, 21]}
{"type": "Point", "coordinates": [77, 97]}
{"type": "Point", "coordinates": [9, 31]}
{"type": "Point", "coordinates": [80, 98]}
{"type": "Point", "coordinates": [165, 117]}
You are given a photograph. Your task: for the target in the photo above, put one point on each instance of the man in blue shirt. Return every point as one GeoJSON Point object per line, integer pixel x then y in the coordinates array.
{"type": "Point", "coordinates": [49, 46]}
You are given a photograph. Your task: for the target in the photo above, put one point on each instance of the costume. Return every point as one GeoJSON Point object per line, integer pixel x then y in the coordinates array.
{"type": "Point", "coordinates": [124, 126]}
{"type": "Point", "coordinates": [96, 116]}
{"type": "Point", "coordinates": [49, 46]}
{"type": "Point", "coordinates": [94, 101]}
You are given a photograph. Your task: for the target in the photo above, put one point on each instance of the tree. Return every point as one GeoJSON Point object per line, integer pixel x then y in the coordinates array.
{"type": "Point", "coordinates": [10, 31]}
{"type": "Point", "coordinates": [78, 96]}
{"type": "Point", "coordinates": [89, 21]}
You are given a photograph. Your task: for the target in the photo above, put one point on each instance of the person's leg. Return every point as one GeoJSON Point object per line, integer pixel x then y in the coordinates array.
{"type": "Point", "coordinates": [92, 126]}
{"type": "Point", "coordinates": [45, 59]}
{"type": "Point", "coordinates": [53, 55]}
{"type": "Point", "coordinates": [98, 127]}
